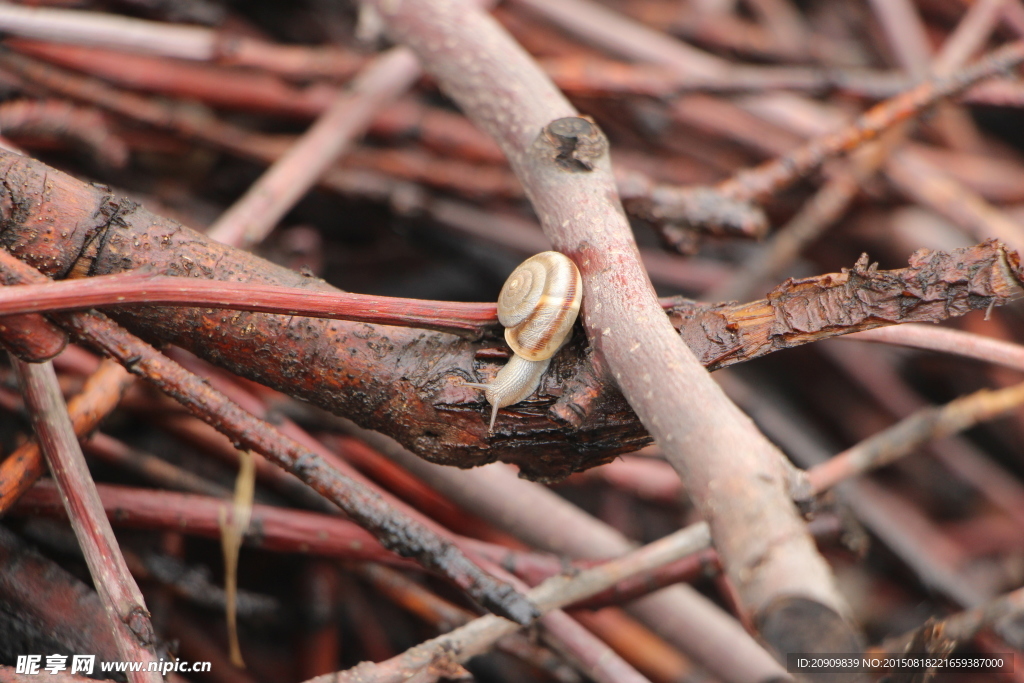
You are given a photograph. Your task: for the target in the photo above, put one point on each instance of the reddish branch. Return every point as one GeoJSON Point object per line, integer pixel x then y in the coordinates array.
{"type": "Point", "coordinates": [469, 319]}
{"type": "Point", "coordinates": [83, 126]}
{"type": "Point", "coordinates": [296, 531]}
{"type": "Point", "coordinates": [180, 41]}
{"type": "Point", "coordinates": [124, 606]}
{"type": "Point", "coordinates": [272, 528]}
{"type": "Point", "coordinates": [214, 85]}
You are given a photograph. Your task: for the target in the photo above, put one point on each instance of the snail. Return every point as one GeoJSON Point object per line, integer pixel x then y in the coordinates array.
{"type": "Point", "coordinates": [538, 306]}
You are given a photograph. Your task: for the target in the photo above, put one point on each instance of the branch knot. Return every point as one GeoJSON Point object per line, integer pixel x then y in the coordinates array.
{"type": "Point", "coordinates": [576, 141]}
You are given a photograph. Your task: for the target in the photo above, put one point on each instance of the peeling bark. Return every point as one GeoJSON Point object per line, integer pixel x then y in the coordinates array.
{"type": "Point", "coordinates": [935, 286]}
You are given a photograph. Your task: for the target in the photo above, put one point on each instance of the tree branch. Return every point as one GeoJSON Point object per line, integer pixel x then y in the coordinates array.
{"type": "Point", "coordinates": [562, 162]}
{"type": "Point", "coordinates": [409, 383]}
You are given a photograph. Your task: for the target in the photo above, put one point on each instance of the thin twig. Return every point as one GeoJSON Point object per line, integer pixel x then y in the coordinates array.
{"type": "Point", "coordinates": [963, 626]}
{"type": "Point", "coordinates": [543, 519]}
{"type": "Point", "coordinates": [99, 396]}
{"type": "Point", "coordinates": [150, 467]}
{"type": "Point", "coordinates": [971, 33]}
{"type": "Point", "coordinates": [835, 196]}
{"type": "Point", "coordinates": [597, 24]}
{"type": "Point", "coordinates": [927, 424]}
{"type": "Point", "coordinates": [179, 41]}
{"type": "Point", "coordinates": [477, 636]}
{"type": "Point", "coordinates": [822, 210]}
{"type": "Point", "coordinates": [933, 187]}
{"type": "Point", "coordinates": [125, 607]}
{"type": "Point", "coordinates": [618, 33]}
{"type": "Point", "coordinates": [470, 319]}
{"type": "Point", "coordinates": [253, 216]}
{"type": "Point", "coordinates": [948, 341]}
{"type": "Point", "coordinates": [777, 174]}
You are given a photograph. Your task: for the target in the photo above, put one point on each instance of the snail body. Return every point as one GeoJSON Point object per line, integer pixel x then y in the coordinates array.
{"type": "Point", "coordinates": [538, 306]}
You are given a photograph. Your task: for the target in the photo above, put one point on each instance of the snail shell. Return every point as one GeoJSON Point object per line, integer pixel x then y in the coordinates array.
{"type": "Point", "coordinates": [539, 303]}
{"type": "Point", "coordinates": [538, 306]}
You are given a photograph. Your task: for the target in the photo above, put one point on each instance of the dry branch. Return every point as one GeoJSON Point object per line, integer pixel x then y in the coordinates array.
{"type": "Point", "coordinates": [125, 608]}
{"type": "Point", "coordinates": [563, 163]}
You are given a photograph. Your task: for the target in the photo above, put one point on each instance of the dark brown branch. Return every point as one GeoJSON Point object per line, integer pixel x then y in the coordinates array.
{"type": "Point", "coordinates": [936, 285]}
{"type": "Point", "coordinates": [409, 383]}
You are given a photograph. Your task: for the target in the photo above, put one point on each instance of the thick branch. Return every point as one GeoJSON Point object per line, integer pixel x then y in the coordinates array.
{"type": "Point", "coordinates": [408, 382]}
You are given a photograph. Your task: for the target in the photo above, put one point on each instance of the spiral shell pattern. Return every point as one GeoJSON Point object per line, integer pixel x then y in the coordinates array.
{"type": "Point", "coordinates": [539, 303]}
